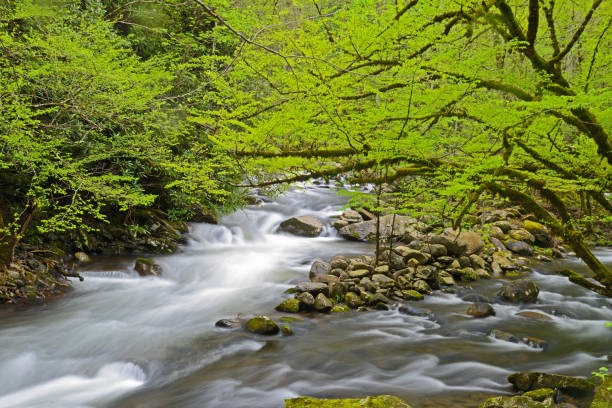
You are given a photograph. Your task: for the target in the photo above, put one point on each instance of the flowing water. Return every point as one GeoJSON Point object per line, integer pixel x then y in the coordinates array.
{"type": "Point", "coordinates": [119, 340]}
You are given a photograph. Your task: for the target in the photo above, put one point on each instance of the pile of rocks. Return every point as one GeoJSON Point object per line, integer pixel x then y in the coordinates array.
{"type": "Point", "coordinates": [542, 390]}
{"type": "Point", "coordinates": [405, 273]}
{"type": "Point", "coordinates": [505, 230]}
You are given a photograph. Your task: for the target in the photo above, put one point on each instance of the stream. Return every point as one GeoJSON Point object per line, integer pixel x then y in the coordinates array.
{"type": "Point", "coordinates": [120, 340]}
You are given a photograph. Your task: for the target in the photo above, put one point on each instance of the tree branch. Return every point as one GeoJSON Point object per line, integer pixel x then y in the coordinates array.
{"type": "Point", "coordinates": [577, 34]}
{"type": "Point", "coordinates": [533, 21]}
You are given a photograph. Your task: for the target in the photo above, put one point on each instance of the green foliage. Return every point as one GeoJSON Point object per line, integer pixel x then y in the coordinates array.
{"type": "Point", "coordinates": [449, 101]}
{"type": "Point", "coordinates": [87, 127]}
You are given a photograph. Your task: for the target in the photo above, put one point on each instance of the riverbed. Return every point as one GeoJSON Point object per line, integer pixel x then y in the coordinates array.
{"type": "Point", "coordinates": [121, 340]}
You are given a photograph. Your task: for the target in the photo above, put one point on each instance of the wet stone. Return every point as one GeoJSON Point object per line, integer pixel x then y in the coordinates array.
{"type": "Point", "coordinates": [481, 310]}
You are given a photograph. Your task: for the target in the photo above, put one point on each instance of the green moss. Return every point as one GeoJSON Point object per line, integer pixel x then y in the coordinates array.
{"type": "Point", "coordinates": [262, 325]}
{"type": "Point", "coordinates": [413, 295]}
{"type": "Point", "coordinates": [381, 401]}
{"type": "Point", "coordinates": [286, 330]}
{"type": "Point", "coordinates": [603, 397]}
{"type": "Point", "coordinates": [290, 319]}
{"type": "Point", "coordinates": [340, 309]}
{"type": "Point", "coordinates": [541, 394]}
{"type": "Point", "coordinates": [288, 306]}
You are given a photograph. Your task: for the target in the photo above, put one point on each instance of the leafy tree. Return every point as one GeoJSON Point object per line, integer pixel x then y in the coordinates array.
{"type": "Point", "coordinates": [86, 126]}
{"type": "Point", "coordinates": [465, 98]}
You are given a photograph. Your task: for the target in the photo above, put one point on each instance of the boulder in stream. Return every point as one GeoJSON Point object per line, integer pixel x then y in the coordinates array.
{"type": "Point", "coordinates": [288, 306]}
{"type": "Point", "coordinates": [520, 290]}
{"type": "Point", "coordinates": [228, 323]}
{"type": "Point", "coordinates": [305, 226]}
{"type": "Point", "coordinates": [480, 310]}
{"type": "Point", "coordinates": [262, 325]}
{"type": "Point", "coordinates": [147, 267]}
{"type": "Point", "coordinates": [572, 386]}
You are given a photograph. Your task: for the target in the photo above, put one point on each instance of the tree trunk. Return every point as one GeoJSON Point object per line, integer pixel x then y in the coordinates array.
{"type": "Point", "coordinates": [12, 234]}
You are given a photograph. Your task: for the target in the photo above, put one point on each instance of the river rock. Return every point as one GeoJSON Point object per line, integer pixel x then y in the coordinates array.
{"type": "Point", "coordinates": [520, 290]}
{"type": "Point", "coordinates": [522, 235]}
{"type": "Point", "coordinates": [262, 325]}
{"type": "Point", "coordinates": [446, 278]}
{"type": "Point", "coordinates": [534, 315]}
{"type": "Point", "coordinates": [326, 279]}
{"type": "Point", "coordinates": [228, 323]}
{"type": "Point", "coordinates": [339, 224]}
{"type": "Point", "coordinates": [519, 247]}
{"type": "Point", "coordinates": [573, 386]}
{"type": "Point", "coordinates": [365, 214]}
{"type": "Point", "coordinates": [435, 250]}
{"type": "Point", "coordinates": [305, 226]}
{"type": "Point", "coordinates": [542, 234]}
{"type": "Point", "coordinates": [415, 311]}
{"type": "Point", "coordinates": [497, 244]}
{"type": "Point", "coordinates": [286, 330]}
{"type": "Point", "coordinates": [340, 309]}
{"type": "Point", "coordinates": [603, 397]}
{"type": "Point", "coordinates": [147, 267]}
{"type": "Point", "coordinates": [314, 288]}
{"type": "Point", "coordinates": [306, 300]}
{"type": "Point", "coordinates": [339, 262]}
{"type": "Point", "coordinates": [496, 269]}
{"type": "Point", "coordinates": [380, 298]}
{"type": "Point", "coordinates": [504, 225]}
{"type": "Point", "coordinates": [322, 303]}
{"type": "Point", "coordinates": [356, 264]}
{"type": "Point", "coordinates": [82, 257]}
{"type": "Point", "coordinates": [412, 295]}
{"type": "Point", "coordinates": [477, 262]}
{"type": "Point", "coordinates": [382, 280]}
{"type": "Point", "coordinates": [535, 342]}
{"type": "Point", "coordinates": [505, 336]}
{"type": "Point", "coordinates": [516, 402]}
{"type": "Point", "coordinates": [384, 269]}
{"type": "Point", "coordinates": [366, 230]}
{"type": "Point", "coordinates": [480, 310]}
{"type": "Point", "coordinates": [421, 286]}
{"type": "Point", "coordinates": [351, 216]}
{"type": "Point", "coordinates": [380, 401]}
{"type": "Point", "coordinates": [319, 268]}
{"type": "Point", "coordinates": [288, 306]}
{"type": "Point", "coordinates": [359, 273]}
{"type": "Point", "coordinates": [502, 261]}
{"type": "Point", "coordinates": [460, 243]}
{"type": "Point", "coordinates": [353, 300]}
{"type": "Point", "coordinates": [495, 232]}
{"type": "Point", "coordinates": [409, 253]}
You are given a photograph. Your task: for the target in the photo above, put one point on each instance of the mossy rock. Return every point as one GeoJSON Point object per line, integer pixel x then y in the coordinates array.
{"type": "Point", "coordinates": [603, 397]}
{"type": "Point", "coordinates": [286, 330]}
{"type": "Point", "coordinates": [288, 306]}
{"type": "Point", "coordinates": [413, 295]}
{"type": "Point", "coordinates": [573, 386]}
{"type": "Point", "coordinates": [262, 325]}
{"type": "Point", "coordinates": [381, 401]}
{"type": "Point", "coordinates": [516, 402]}
{"type": "Point", "coordinates": [541, 394]}
{"type": "Point", "coordinates": [533, 226]}
{"type": "Point", "coordinates": [340, 309]}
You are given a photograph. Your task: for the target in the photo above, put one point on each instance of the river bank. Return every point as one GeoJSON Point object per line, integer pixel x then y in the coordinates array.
{"type": "Point", "coordinates": [120, 340]}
